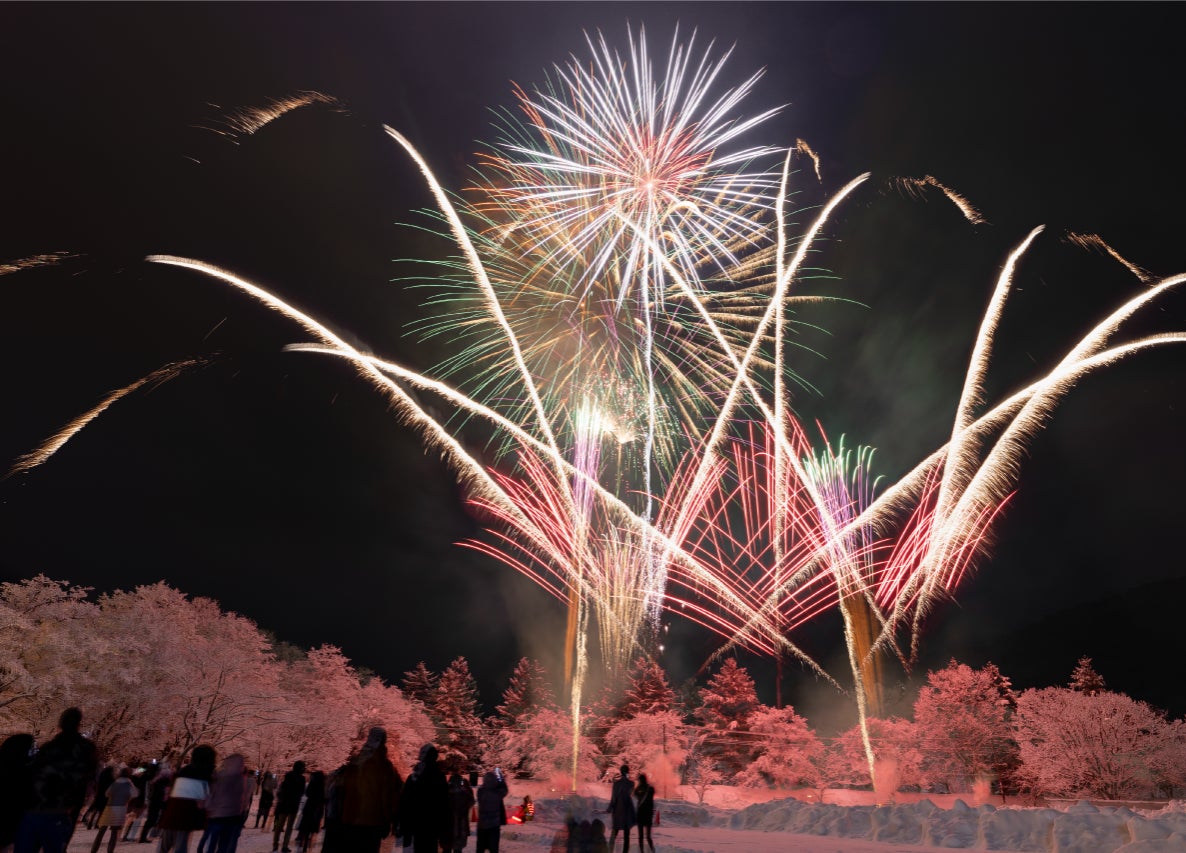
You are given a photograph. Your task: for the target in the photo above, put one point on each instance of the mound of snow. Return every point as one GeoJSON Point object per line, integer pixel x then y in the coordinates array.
{"type": "Point", "coordinates": [1081, 828]}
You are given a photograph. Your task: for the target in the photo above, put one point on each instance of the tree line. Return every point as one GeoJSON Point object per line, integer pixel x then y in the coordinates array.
{"type": "Point", "coordinates": [159, 672]}
{"type": "Point", "coordinates": [968, 726]}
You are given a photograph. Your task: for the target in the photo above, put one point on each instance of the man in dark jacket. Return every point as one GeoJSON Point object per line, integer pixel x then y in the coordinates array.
{"type": "Point", "coordinates": [288, 803]}
{"type": "Point", "coordinates": [491, 811]}
{"type": "Point", "coordinates": [61, 772]}
{"type": "Point", "coordinates": [425, 818]}
{"type": "Point", "coordinates": [364, 799]}
{"type": "Point", "coordinates": [621, 809]}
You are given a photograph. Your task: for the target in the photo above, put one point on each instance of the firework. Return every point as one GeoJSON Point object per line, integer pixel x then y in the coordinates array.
{"type": "Point", "coordinates": [619, 309]}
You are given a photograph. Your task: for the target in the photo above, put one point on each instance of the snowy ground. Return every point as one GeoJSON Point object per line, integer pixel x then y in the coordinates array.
{"type": "Point", "coordinates": [805, 827]}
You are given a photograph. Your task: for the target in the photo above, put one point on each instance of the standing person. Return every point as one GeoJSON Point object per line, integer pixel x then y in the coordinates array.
{"type": "Point", "coordinates": [156, 793]}
{"type": "Point", "coordinates": [288, 803]}
{"type": "Point", "coordinates": [621, 809]}
{"type": "Point", "coordinates": [136, 806]}
{"type": "Point", "coordinates": [597, 842]}
{"type": "Point", "coordinates": [461, 802]}
{"type": "Point", "coordinates": [424, 815]}
{"type": "Point", "coordinates": [15, 786]}
{"type": "Point", "coordinates": [491, 811]}
{"type": "Point", "coordinates": [566, 838]}
{"type": "Point", "coordinates": [224, 808]}
{"type": "Point", "coordinates": [267, 793]}
{"type": "Point", "coordinates": [310, 823]}
{"type": "Point", "coordinates": [644, 792]}
{"type": "Point", "coordinates": [60, 774]}
{"type": "Point", "coordinates": [115, 813]}
{"type": "Point", "coordinates": [363, 801]}
{"type": "Point", "coordinates": [185, 810]}
{"type": "Point", "coordinates": [106, 776]}
{"type": "Point", "coordinates": [250, 783]}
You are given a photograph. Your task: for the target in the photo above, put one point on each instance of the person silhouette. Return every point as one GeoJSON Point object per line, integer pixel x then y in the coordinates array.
{"type": "Point", "coordinates": [621, 809]}
{"type": "Point", "coordinates": [644, 792]}
{"type": "Point", "coordinates": [60, 775]}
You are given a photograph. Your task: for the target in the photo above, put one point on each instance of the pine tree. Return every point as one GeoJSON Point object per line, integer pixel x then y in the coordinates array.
{"type": "Point", "coordinates": [527, 692]}
{"type": "Point", "coordinates": [420, 685]}
{"type": "Point", "coordinates": [1084, 678]}
{"type": "Point", "coordinates": [459, 727]}
{"type": "Point", "coordinates": [727, 704]}
{"type": "Point", "coordinates": [648, 691]}
{"type": "Point", "coordinates": [729, 698]}
{"type": "Point", "coordinates": [1003, 685]}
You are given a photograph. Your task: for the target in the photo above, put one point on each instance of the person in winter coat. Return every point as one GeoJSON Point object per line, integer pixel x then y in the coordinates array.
{"type": "Point", "coordinates": [491, 811]}
{"type": "Point", "coordinates": [60, 774]}
{"type": "Point", "coordinates": [424, 816]}
{"type": "Point", "coordinates": [267, 794]}
{"type": "Point", "coordinates": [364, 799]}
{"type": "Point", "coordinates": [185, 809]}
{"type": "Point", "coordinates": [155, 793]}
{"type": "Point", "coordinates": [461, 802]}
{"type": "Point", "coordinates": [525, 812]}
{"type": "Point", "coordinates": [288, 802]}
{"type": "Point", "coordinates": [15, 785]}
{"type": "Point", "coordinates": [644, 792]}
{"type": "Point", "coordinates": [90, 817]}
{"type": "Point", "coordinates": [621, 809]}
{"type": "Point", "coordinates": [250, 783]}
{"type": "Point", "coordinates": [137, 805]}
{"type": "Point", "coordinates": [310, 823]}
{"type": "Point", "coordinates": [224, 808]}
{"type": "Point", "coordinates": [117, 796]}
{"type": "Point", "coordinates": [597, 842]}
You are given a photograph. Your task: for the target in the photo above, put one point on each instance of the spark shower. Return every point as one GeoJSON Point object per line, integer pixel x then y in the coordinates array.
{"type": "Point", "coordinates": [618, 303]}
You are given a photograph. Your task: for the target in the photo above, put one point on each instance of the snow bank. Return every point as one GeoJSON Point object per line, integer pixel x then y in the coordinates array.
{"type": "Point", "coordinates": [1082, 828]}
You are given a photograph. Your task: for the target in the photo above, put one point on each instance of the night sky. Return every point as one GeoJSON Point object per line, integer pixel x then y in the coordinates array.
{"type": "Point", "coordinates": [279, 483]}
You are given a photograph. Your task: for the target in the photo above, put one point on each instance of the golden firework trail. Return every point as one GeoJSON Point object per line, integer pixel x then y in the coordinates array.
{"type": "Point", "coordinates": [58, 440]}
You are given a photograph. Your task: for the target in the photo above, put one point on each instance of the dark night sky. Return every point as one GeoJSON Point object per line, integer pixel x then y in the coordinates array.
{"type": "Point", "coordinates": [280, 485]}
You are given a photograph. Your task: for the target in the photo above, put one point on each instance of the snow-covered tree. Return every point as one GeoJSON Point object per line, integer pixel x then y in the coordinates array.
{"type": "Point", "coordinates": [1169, 765]}
{"type": "Point", "coordinates": [49, 654]}
{"type": "Point", "coordinates": [420, 685]}
{"type": "Point", "coordinates": [460, 733]}
{"type": "Point", "coordinates": [655, 744]}
{"type": "Point", "coordinates": [156, 672]}
{"type": "Point", "coordinates": [962, 717]}
{"type": "Point", "coordinates": [700, 771]}
{"type": "Point", "coordinates": [1075, 743]}
{"type": "Point", "coordinates": [787, 753]}
{"type": "Point", "coordinates": [325, 688]}
{"type": "Point", "coordinates": [544, 745]}
{"type": "Point", "coordinates": [895, 743]}
{"type": "Point", "coordinates": [210, 676]}
{"type": "Point", "coordinates": [526, 692]}
{"type": "Point", "coordinates": [647, 690]}
{"type": "Point", "coordinates": [1084, 678]}
{"type": "Point", "coordinates": [408, 725]}
{"type": "Point", "coordinates": [727, 703]}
